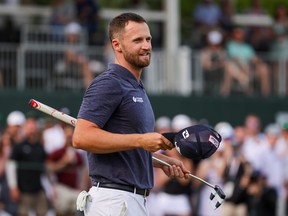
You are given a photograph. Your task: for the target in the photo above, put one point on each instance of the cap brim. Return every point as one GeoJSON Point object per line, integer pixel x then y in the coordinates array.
{"type": "Point", "coordinates": [170, 136]}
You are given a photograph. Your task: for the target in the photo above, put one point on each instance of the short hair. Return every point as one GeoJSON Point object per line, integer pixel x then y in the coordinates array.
{"type": "Point", "coordinates": [118, 23]}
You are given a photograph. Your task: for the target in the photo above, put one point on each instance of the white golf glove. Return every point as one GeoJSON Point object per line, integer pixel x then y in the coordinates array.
{"type": "Point", "coordinates": [82, 199]}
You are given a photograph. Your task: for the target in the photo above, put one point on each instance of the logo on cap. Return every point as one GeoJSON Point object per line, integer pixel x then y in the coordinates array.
{"type": "Point", "coordinates": [214, 141]}
{"type": "Point", "coordinates": [185, 134]}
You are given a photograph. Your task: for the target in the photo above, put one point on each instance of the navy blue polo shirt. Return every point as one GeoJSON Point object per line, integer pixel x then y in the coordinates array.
{"type": "Point", "coordinates": [118, 103]}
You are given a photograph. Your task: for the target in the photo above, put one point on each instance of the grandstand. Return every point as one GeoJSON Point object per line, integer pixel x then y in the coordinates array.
{"type": "Point", "coordinates": [35, 62]}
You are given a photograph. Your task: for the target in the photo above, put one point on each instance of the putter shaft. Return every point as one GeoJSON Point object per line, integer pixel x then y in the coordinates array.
{"type": "Point", "coordinates": [193, 176]}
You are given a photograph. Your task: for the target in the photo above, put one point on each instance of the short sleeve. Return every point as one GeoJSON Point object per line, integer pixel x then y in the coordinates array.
{"type": "Point", "coordinates": [100, 100]}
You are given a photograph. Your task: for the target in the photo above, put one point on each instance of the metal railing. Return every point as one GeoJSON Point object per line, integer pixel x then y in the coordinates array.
{"type": "Point", "coordinates": [40, 63]}
{"type": "Point", "coordinates": [8, 66]}
{"type": "Point", "coordinates": [43, 67]}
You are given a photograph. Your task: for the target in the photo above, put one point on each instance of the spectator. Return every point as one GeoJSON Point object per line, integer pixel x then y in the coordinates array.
{"type": "Point", "coordinates": [174, 194]}
{"type": "Point", "coordinates": [53, 135]}
{"type": "Point", "coordinates": [213, 57]}
{"type": "Point", "coordinates": [9, 31]}
{"type": "Point", "coordinates": [162, 125]}
{"type": "Point", "coordinates": [75, 69]}
{"type": "Point", "coordinates": [272, 168]}
{"type": "Point", "coordinates": [25, 170]}
{"type": "Point", "coordinates": [217, 69]}
{"type": "Point", "coordinates": [243, 60]}
{"type": "Point", "coordinates": [282, 146]}
{"type": "Point", "coordinates": [261, 198]}
{"type": "Point", "coordinates": [237, 177]}
{"type": "Point", "coordinates": [205, 15]}
{"type": "Point", "coordinates": [87, 14]}
{"type": "Point", "coordinates": [68, 166]}
{"type": "Point", "coordinates": [6, 205]}
{"type": "Point", "coordinates": [254, 142]}
{"type": "Point", "coordinates": [63, 13]}
{"type": "Point", "coordinates": [15, 121]}
{"type": "Point", "coordinates": [211, 170]}
{"type": "Point", "coordinates": [11, 136]}
{"type": "Point", "coordinates": [281, 21]}
{"type": "Point", "coordinates": [260, 35]}
{"type": "Point", "coordinates": [226, 19]}
{"type": "Point", "coordinates": [279, 47]}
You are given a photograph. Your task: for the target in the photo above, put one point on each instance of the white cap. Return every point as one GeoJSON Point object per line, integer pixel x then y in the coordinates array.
{"type": "Point", "coordinates": [273, 129]}
{"type": "Point", "coordinates": [16, 118]}
{"type": "Point", "coordinates": [181, 121]}
{"type": "Point", "coordinates": [224, 129]}
{"type": "Point", "coordinates": [215, 37]}
{"type": "Point", "coordinates": [163, 122]}
{"type": "Point", "coordinates": [72, 28]}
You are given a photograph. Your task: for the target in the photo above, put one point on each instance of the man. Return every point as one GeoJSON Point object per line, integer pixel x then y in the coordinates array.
{"type": "Point", "coordinates": [245, 61]}
{"type": "Point", "coordinates": [26, 168]}
{"type": "Point", "coordinates": [116, 123]}
{"type": "Point", "coordinates": [69, 170]}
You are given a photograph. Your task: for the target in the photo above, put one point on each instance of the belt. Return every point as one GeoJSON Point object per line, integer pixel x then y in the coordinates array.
{"type": "Point", "coordinates": [132, 189]}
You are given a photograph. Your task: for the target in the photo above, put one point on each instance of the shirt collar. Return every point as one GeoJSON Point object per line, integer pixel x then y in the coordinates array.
{"type": "Point", "coordinates": [125, 74]}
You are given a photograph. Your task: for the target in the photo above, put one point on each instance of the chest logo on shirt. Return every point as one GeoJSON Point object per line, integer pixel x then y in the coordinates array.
{"type": "Point", "coordinates": [138, 99]}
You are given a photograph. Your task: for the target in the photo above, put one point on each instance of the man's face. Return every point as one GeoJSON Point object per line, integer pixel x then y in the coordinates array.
{"type": "Point", "coordinates": [136, 44]}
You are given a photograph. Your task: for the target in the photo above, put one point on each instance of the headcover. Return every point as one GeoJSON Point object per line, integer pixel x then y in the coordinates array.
{"type": "Point", "coordinates": [195, 142]}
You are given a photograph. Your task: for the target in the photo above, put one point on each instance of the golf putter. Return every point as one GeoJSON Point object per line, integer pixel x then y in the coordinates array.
{"type": "Point", "coordinates": [216, 197]}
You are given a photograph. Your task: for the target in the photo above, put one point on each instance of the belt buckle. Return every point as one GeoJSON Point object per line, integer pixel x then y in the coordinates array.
{"type": "Point", "coordinates": [145, 194]}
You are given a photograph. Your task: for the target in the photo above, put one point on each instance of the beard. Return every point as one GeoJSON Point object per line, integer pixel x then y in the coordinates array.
{"type": "Point", "coordinates": [135, 60]}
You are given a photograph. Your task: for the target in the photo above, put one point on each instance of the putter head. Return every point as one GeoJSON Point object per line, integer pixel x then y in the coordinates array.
{"type": "Point", "coordinates": [220, 192]}
{"type": "Point", "coordinates": [217, 197]}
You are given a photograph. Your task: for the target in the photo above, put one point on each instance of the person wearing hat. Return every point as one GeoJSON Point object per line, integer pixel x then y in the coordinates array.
{"type": "Point", "coordinates": [173, 194]}
{"type": "Point", "coordinates": [15, 120]}
{"type": "Point", "coordinates": [74, 65]}
{"type": "Point", "coordinates": [25, 171]}
{"type": "Point", "coordinates": [217, 69]}
{"type": "Point", "coordinates": [11, 136]}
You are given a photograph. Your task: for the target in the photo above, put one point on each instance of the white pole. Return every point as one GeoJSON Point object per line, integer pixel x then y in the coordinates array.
{"type": "Point", "coordinates": [172, 32]}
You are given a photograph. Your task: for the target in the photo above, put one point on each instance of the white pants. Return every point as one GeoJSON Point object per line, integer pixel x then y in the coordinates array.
{"type": "Point", "coordinates": [172, 204]}
{"type": "Point", "coordinates": [112, 202]}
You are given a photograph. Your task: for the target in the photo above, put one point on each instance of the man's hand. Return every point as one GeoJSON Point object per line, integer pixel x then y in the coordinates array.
{"type": "Point", "coordinates": [177, 168]}
{"type": "Point", "coordinates": [153, 142]}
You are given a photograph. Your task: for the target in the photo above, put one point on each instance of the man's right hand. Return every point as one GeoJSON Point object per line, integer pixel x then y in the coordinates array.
{"type": "Point", "coordinates": [153, 142]}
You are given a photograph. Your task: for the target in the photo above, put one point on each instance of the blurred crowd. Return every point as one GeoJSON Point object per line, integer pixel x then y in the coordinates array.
{"type": "Point", "coordinates": [42, 174]}
{"type": "Point", "coordinates": [250, 166]}
{"type": "Point", "coordinates": [247, 57]}
{"type": "Point", "coordinates": [240, 57]}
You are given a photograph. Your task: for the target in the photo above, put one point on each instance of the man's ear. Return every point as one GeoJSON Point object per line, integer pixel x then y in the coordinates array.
{"type": "Point", "coordinates": [116, 45]}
